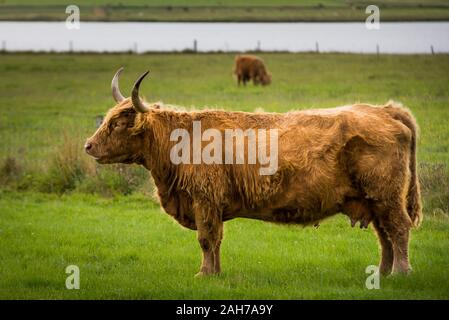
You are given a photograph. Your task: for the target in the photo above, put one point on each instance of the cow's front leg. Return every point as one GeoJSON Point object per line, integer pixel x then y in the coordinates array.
{"type": "Point", "coordinates": [209, 226]}
{"type": "Point", "coordinates": [217, 265]}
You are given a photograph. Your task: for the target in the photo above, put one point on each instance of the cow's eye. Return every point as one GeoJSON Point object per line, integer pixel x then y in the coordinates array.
{"type": "Point", "coordinates": [120, 125]}
{"type": "Point", "coordinates": [112, 126]}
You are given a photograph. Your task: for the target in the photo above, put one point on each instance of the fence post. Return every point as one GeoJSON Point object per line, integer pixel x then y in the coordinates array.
{"type": "Point", "coordinates": [377, 50]}
{"type": "Point", "coordinates": [135, 47]}
{"type": "Point", "coordinates": [195, 45]}
{"type": "Point", "coordinates": [70, 46]}
{"type": "Point", "coordinates": [317, 48]}
{"type": "Point", "coordinates": [258, 45]}
{"type": "Point", "coordinates": [431, 50]}
{"type": "Point", "coordinates": [4, 45]}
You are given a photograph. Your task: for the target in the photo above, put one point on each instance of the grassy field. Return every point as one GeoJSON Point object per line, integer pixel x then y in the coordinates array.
{"type": "Point", "coordinates": [237, 10]}
{"type": "Point", "coordinates": [127, 248]}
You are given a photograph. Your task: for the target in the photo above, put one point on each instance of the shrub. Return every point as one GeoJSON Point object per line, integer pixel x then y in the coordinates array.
{"type": "Point", "coordinates": [66, 168]}
{"type": "Point", "coordinates": [10, 171]}
{"type": "Point", "coordinates": [70, 169]}
{"type": "Point", "coordinates": [114, 179]}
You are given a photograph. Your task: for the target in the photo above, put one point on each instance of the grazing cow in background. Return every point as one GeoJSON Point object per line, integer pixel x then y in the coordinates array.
{"type": "Point", "coordinates": [249, 67]}
{"type": "Point", "coordinates": [359, 160]}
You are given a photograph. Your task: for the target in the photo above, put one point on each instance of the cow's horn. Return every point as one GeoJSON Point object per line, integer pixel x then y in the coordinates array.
{"type": "Point", "coordinates": [116, 94]}
{"type": "Point", "coordinates": [137, 103]}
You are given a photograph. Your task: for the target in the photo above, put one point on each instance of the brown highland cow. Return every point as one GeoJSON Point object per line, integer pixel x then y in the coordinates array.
{"type": "Point", "coordinates": [249, 67]}
{"type": "Point", "coordinates": [358, 160]}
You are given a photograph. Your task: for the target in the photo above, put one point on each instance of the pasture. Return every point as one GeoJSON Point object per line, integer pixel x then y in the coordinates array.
{"type": "Point", "coordinates": [127, 248]}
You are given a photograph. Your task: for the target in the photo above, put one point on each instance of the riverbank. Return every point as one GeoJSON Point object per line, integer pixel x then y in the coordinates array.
{"type": "Point", "coordinates": [284, 11]}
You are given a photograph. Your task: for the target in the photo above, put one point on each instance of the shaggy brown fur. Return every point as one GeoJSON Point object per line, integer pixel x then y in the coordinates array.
{"type": "Point", "coordinates": [359, 160]}
{"type": "Point", "coordinates": [249, 67]}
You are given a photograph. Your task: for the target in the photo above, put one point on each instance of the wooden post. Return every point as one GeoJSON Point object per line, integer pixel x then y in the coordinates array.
{"type": "Point", "coordinates": [135, 47]}
{"type": "Point", "coordinates": [317, 48]}
{"type": "Point", "coordinates": [258, 45]}
{"type": "Point", "coordinates": [431, 50]}
{"type": "Point", "coordinates": [377, 50]}
{"type": "Point", "coordinates": [4, 45]}
{"type": "Point", "coordinates": [195, 45]}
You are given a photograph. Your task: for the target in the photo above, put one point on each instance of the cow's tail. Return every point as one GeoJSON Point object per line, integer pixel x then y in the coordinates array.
{"type": "Point", "coordinates": [404, 115]}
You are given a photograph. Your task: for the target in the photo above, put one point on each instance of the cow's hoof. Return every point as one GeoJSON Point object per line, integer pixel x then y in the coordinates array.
{"type": "Point", "coordinates": [203, 274]}
{"type": "Point", "coordinates": [402, 271]}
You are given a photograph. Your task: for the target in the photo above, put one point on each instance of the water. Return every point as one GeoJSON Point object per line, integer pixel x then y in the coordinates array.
{"type": "Point", "coordinates": [403, 37]}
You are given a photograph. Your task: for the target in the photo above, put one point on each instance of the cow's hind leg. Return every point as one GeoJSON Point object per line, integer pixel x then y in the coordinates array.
{"type": "Point", "coordinates": [209, 226]}
{"type": "Point", "coordinates": [393, 223]}
{"type": "Point", "coordinates": [382, 174]}
{"type": "Point", "coordinates": [387, 255]}
{"type": "Point", "coordinates": [397, 224]}
{"type": "Point", "coordinates": [359, 210]}
{"type": "Point", "coordinates": [390, 207]}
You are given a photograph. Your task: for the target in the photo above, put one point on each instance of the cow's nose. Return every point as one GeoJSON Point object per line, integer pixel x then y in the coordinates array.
{"type": "Point", "coordinates": [88, 146]}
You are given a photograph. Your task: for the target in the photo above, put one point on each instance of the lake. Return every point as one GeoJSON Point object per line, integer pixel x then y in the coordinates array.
{"type": "Point", "coordinates": [392, 37]}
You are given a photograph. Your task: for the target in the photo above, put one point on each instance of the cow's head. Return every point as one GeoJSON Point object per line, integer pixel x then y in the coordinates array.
{"type": "Point", "coordinates": [266, 79]}
{"type": "Point", "coordinates": [120, 138]}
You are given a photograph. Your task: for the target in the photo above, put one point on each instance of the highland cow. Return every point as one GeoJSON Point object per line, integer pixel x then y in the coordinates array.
{"type": "Point", "coordinates": [358, 160]}
{"type": "Point", "coordinates": [249, 67]}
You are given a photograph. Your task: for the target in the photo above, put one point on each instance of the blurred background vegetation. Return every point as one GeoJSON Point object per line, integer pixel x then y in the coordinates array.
{"type": "Point", "coordinates": [219, 10]}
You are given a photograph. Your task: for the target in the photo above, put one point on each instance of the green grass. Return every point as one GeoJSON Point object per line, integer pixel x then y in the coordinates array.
{"type": "Point", "coordinates": [126, 248]}
{"type": "Point", "coordinates": [217, 10]}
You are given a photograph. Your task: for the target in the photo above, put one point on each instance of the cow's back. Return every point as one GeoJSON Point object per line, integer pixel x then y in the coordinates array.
{"type": "Point", "coordinates": [245, 63]}
{"type": "Point", "coordinates": [312, 177]}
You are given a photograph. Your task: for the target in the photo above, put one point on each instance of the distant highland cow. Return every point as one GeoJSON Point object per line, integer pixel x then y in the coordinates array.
{"type": "Point", "coordinates": [249, 67]}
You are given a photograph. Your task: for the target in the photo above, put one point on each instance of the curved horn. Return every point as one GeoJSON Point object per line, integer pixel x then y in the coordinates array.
{"type": "Point", "coordinates": [116, 94]}
{"type": "Point", "coordinates": [137, 103]}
